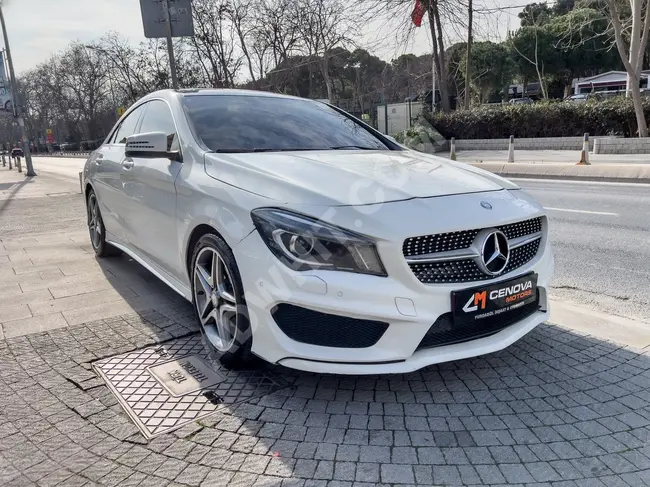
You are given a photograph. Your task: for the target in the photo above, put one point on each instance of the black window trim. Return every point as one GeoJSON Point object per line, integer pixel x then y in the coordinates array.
{"type": "Point", "coordinates": [138, 124]}
{"type": "Point", "coordinates": [119, 124]}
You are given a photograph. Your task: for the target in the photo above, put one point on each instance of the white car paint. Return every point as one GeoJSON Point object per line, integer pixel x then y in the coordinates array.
{"type": "Point", "coordinates": [388, 196]}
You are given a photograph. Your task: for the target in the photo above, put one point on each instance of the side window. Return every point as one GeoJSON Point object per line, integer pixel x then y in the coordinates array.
{"type": "Point", "coordinates": [127, 127]}
{"type": "Point", "coordinates": [158, 118]}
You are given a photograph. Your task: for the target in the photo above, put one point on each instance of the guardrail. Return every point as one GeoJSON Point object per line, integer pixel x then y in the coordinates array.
{"type": "Point", "coordinates": [63, 154]}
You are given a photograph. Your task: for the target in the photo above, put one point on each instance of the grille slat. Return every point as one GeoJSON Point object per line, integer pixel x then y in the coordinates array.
{"type": "Point", "coordinates": [466, 270]}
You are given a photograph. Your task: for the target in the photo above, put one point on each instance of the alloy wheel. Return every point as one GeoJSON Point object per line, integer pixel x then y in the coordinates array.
{"type": "Point", "coordinates": [94, 222]}
{"type": "Point", "coordinates": [214, 298]}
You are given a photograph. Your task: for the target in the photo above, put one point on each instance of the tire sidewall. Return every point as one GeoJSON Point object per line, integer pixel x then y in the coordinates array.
{"type": "Point", "coordinates": [239, 351]}
{"type": "Point", "coordinates": [100, 250]}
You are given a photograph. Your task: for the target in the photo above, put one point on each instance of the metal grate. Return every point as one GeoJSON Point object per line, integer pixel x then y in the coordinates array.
{"type": "Point", "coordinates": [164, 387]}
{"type": "Point", "coordinates": [445, 332]}
{"type": "Point", "coordinates": [326, 330]}
{"type": "Point", "coordinates": [467, 270]}
{"type": "Point", "coordinates": [444, 242]}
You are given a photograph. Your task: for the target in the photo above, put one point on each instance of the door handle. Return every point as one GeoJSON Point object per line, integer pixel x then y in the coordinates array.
{"type": "Point", "coordinates": [128, 164]}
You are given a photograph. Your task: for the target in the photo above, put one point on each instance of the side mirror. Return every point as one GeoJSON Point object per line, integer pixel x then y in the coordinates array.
{"type": "Point", "coordinates": [391, 138]}
{"type": "Point", "coordinates": [150, 144]}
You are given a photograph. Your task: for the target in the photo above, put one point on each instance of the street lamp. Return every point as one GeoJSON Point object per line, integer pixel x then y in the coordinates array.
{"type": "Point", "coordinates": [14, 99]}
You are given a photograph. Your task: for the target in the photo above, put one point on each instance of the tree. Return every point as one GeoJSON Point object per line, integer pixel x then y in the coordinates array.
{"type": "Point", "coordinates": [582, 38]}
{"type": "Point", "coordinates": [214, 42]}
{"type": "Point", "coordinates": [535, 54]}
{"type": "Point", "coordinates": [631, 42]}
{"type": "Point", "coordinates": [324, 25]}
{"type": "Point", "coordinates": [535, 14]}
{"type": "Point", "coordinates": [563, 7]}
{"type": "Point", "coordinates": [492, 66]}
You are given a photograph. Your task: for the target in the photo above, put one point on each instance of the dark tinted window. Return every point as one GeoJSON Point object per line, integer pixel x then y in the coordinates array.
{"type": "Point", "coordinates": [247, 123]}
{"type": "Point", "coordinates": [158, 118]}
{"type": "Point", "coordinates": [127, 127]}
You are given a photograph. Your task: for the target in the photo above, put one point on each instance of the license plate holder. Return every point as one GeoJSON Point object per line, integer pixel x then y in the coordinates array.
{"type": "Point", "coordinates": [484, 302]}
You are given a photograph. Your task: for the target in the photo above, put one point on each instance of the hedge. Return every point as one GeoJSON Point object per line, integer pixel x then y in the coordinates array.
{"type": "Point", "coordinates": [614, 116]}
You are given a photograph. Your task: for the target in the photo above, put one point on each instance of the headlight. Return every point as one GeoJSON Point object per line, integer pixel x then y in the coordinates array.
{"type": "Point", "coordinates": [303, 243]}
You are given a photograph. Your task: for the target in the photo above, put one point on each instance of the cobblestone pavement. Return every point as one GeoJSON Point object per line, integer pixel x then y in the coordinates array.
{"type": "Point", "coordinates": [555, 409]}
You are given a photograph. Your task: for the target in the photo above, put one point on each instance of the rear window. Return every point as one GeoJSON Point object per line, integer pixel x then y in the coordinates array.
{"type": "Point", "coordinates": [235, 123]}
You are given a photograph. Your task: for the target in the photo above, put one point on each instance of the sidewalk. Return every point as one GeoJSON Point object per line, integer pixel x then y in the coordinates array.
{"type": "Point", "coordinates": [549, 157]}
{"type": "Point", "coordinates": [49, 277]}
{"type": "Point", "coordinates": [549, 164]}
{"type": "Point", "coordinates": [81, 404]}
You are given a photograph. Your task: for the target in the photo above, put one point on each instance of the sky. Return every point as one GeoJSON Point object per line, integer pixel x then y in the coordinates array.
{"type": "Point", "coordinates": [39, 28]}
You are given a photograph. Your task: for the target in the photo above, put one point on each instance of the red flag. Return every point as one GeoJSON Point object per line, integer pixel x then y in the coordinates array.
{"type": "Point", "coordinates": [418, 13]}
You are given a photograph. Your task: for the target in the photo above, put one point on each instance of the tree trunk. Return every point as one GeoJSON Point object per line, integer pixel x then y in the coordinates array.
{"type": "Point", "coordinates": [642, 126]}
{"type": "Point", "coordinates": [632, 60]}
{"type": "Point", "coordinates": [436, 60]}
{"type": "Point", "coordinates": [468, 63]}
{"type": "Point", "coordinates": [442, 79]}
{"type": "Point", "coordinates": [325, 68]}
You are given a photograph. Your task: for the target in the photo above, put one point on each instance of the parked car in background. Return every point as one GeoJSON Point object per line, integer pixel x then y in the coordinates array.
{"type": "Point", "coordinates": [524, 100]}
{"type": "Point", "coordinates": [17, 152]}
{"type": "Point", "coordinates": [305, 237]}
{"type": "Point", "coordinates": [583, 97]}
{"type": "Point", "coordinates": [70, 146]}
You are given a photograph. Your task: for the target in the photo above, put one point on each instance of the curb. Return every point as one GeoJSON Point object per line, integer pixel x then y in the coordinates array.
{"type": "Point", "coordinates": [630, 173]}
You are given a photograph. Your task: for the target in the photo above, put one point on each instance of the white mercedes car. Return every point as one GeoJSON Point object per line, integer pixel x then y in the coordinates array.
{"type": "Point", "coordinates": [307, 238]}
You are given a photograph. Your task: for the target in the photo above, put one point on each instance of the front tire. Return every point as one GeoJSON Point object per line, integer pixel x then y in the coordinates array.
{"type": "Point", "coordinates": [96, 228]}
{"type": "Point", "coordinates": [219, 303]}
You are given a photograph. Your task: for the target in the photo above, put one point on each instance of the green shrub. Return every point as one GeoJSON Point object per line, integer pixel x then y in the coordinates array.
{"type": "Point", "coordinates": [614, 116]}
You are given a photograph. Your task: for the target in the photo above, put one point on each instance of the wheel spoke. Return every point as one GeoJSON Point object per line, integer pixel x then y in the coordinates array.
{"type": "Point", "coordinates": [224, 324]}
{"type": "Point", "coordinates": [212, 314]}
{"type": "Point", "coordinates": [222, 280]}
{"type": "Point", "coordinates": [205, 307]}
{"type": "Point", "coordinates": [205, 279]}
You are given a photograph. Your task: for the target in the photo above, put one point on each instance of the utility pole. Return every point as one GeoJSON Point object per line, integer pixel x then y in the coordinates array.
{"type": "Point", "coordinates": [170, 46]}
{"type": "Point", "coordinates": [14, 99]}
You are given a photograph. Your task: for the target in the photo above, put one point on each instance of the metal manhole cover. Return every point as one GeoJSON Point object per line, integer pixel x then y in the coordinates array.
{"type": "Point", "coordinates": [165, 387]}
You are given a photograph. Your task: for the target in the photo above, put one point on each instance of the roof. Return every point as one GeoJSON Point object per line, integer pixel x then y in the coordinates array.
{"type": "Point", "coordinates": [610, 76]}
{"type": "Point", "coordinates": [221, 92]}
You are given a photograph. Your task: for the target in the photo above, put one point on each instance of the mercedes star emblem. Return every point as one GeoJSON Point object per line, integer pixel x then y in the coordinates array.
{"type": "Point", "coordinates": [486, 205]}
{"type": "Point", "coordinates": [495, 253]}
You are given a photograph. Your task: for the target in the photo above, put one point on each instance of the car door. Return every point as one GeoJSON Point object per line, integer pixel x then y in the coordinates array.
{"type": "Point", "coordinates": [151, 194]}
{"type": "Point", "coordinates": [107, 181]}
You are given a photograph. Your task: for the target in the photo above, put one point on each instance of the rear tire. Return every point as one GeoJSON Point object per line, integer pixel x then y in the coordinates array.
{"type": "Point", "coordinates": [96, 228]}
{"type": "Point", "coordinates": [219, 303]}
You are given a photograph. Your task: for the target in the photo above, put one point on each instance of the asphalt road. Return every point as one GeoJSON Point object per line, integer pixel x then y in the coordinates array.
{"type": "Point", "coordinates": [601, 238]}
{"type": "Point", "coordinates": [600, 233]}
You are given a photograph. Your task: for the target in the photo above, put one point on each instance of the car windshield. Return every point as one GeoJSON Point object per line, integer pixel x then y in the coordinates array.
{"type": "Point", "coordinates": [236, 123]}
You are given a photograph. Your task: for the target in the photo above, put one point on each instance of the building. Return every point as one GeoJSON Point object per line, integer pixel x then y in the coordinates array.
{"type": "Point", "coordinates": [610, 81]}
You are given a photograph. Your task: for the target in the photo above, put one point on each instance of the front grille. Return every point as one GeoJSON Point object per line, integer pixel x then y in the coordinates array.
{"type": "Point", "coordinates": [445, 332]}
{"type": "Point", "coordinates": [466, 270]}
{"type": "Point", "coordinates": [326, 330]}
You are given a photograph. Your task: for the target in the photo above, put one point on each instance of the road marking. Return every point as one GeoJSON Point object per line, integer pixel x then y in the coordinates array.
{"type": "Point", "coordinates": [581, 211]}
{"type": "Point", "coordinates": [578, 181]}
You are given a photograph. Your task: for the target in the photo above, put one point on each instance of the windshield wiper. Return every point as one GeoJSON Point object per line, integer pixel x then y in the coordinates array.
{"type": "Point", "coordinates": [264, 149]}
{"type": "Point", "coordinates": [341, 147]}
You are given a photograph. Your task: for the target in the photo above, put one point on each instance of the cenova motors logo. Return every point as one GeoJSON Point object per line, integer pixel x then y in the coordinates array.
{"type": "Point", "coordinates": [512, 294]}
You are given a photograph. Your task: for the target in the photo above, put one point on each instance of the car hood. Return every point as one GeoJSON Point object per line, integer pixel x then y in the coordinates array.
{"type": "Point", "coordinates": [354, 177]}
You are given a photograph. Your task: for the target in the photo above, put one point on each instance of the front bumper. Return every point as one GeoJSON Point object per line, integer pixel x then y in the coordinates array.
{"type": "Point", "coordinates": [407, 305]}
